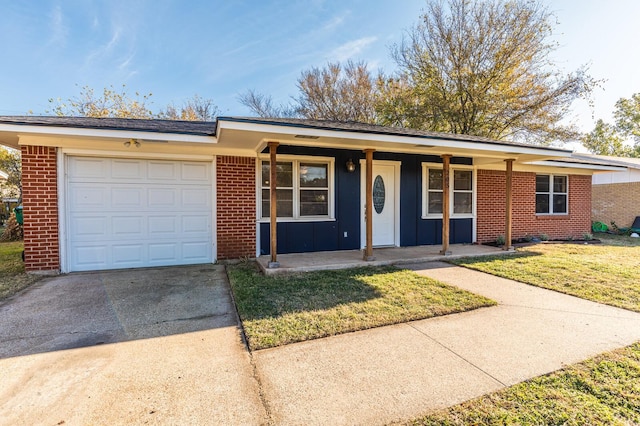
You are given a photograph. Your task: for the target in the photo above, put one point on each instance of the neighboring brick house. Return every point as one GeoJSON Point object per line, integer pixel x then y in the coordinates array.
{"type": "Point", "coordinates": [118, 193]}
{"type": "Point", "coordinates": [616, 194]}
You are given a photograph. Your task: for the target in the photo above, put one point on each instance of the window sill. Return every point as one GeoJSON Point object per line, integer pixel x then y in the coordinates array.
{"type": "Point", "coordinates": [457, 216]}
{"type": "Point", "coordinates": [291, 219]}
{"type": "Point", "coordinates": [551, 216]}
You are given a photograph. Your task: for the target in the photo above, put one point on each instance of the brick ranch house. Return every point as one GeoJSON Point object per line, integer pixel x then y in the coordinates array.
{"type": "Point", "coordinates": [615, 196]}
{"type": "Point", "coordinates": [118, 193]}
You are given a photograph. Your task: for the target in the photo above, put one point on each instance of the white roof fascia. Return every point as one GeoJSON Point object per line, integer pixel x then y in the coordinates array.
{"type": "Point", "coordinates": [388, 138]}
{"type": "Point", "coordinates": [552, 163]}
{"type": "Point", "coordinates": [106, 133]}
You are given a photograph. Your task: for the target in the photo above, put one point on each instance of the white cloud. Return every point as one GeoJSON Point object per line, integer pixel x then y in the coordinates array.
{"type": "Point", "coordinates": [350, 49]}
{"type": "Point", "coordinates": [58, 29]}
{"type": "Point", "coordinates": [335, 22]}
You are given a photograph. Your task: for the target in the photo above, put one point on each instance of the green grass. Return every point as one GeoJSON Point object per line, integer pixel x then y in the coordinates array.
{"type": "Point", "coordinates": [604, 390]}
{"type": "Point", "coordinates": [12, 275]}
{"type": "Point", "coordinates": [285, 309]}
{"type": "Point", "coordinates": [607, 273]}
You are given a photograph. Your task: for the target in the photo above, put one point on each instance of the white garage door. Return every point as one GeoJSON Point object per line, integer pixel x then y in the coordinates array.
{"type": "Point", "coordinates": [126, 213]}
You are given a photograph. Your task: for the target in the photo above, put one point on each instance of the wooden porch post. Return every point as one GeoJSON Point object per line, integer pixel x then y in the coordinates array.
{"type": "Point", "coordinates": [507, 217]}
{"type": "Point", "coordinates": [368, 211]}
{"type": "Point", "coordinates": [273, 213]}
{"type": "Point", "coordinates": [446, 160]}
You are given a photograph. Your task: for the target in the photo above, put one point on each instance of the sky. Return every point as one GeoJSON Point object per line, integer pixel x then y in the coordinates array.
{"type": "Point", "coordinates": [220, 49]}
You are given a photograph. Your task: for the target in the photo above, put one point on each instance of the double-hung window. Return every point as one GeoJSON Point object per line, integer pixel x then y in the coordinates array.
{"type": "Point", "coordinates": [552, 194]}
{"type": "Point", "coordinates": [304, 189]}
{"type": "Point", "coordinates": [460, 187]}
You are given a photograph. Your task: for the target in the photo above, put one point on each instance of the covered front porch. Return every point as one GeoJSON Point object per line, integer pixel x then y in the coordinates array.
{"type": "Point", "coordinates": [344, 259]}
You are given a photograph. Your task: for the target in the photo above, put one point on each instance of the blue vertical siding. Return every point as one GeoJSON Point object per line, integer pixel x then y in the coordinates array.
{"type": "Point", "coordinates": [300, 237]}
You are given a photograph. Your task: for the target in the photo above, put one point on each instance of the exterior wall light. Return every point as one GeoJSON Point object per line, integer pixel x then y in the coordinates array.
{"type": "Point", "coordinates": [351, 167]}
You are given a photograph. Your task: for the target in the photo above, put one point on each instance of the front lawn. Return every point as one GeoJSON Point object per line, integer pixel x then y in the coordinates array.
{"type": "Point", "coordinates": [604, 390]}
{"type": "Point", "coordinates": [12, 275]}
{"type": "Point", "coordinates": [285, 309]}
{"type": "Point", "coordinates": [607, 273]}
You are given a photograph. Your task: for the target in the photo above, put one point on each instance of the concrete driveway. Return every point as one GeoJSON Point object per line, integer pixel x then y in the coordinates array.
{"type": "Point", "coordinates": [139, 346]}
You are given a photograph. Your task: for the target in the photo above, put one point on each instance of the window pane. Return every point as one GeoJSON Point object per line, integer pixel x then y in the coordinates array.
{"type": "Point", "coordinates": [462, 180]}
{"type": "Point", "coordinates": [313, 175]}
{"type": "Point", "coordinates": [542, 183]}
{"type": "Point", "coordinates": [314, 203]}
{"type": "Point", "coordinates": [284, 204]}
{"type": "Point", "coordinates": [434, 202]}
{"type": "Point", "coordinates": [266, 203]}
{"type": "Point", "coordinates": [560, 184]}
{"type": "Point", "coordinates": [265, 174]}
{"type": "Point", "coordinates": [284, 174]}
{"type": "Point", "coordinates": [462, 202]}
{"type": "Point", "coordinates": [435, 179]}
{"type": "Point", "coordinates": [542, 203]}
{"type": "Point", "coordinates": [559, 203]}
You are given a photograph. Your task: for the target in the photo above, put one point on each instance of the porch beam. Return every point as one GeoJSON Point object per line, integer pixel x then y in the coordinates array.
{"type": "Point", "coordinates": [446, 161]}
{"type": "Point", "coordinates": [508, 196]}
{"type": "Point", "coordinates": [273, 213]}
{"type": "Point", "coordinates": [368, 211]}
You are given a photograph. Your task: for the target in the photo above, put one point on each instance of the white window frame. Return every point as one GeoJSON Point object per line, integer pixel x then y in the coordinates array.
{"type": "Point", "coordinates": [296, 160]}
{"type": "Point", "coordinates": [551, 193]}
{"type": "Point", "coordinates": [425, 191]}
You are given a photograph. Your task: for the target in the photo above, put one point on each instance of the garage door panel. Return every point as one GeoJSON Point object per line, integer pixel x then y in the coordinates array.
{"type": "Point", "coordinates": [163, 170]}
{"type": "Point", "coordinates": [196, 252]}
{"type": "Point", "coordinates": [195, 224]}
{"type": "Point", "coordinates": [89, 257]}
{"type": "Point", "coordinates": [88, 197]}
{"type": "Point", "coordinates": [196, 197]}
{"type": "Point", "coordinates": [130, 226]}
{"type": "Point", "coordinates": [127, 255]}
{"type": "Point", "coordinates": [127, 197]}
{"type": "Point", "coordinates": [127, 169]}
{"type": "Point", "coordinates": [195, 172]}
{"type": "Point", "coordinates": [163, 197]}
{"type": "Point", "coordinates": [88, 170]}
{"type": "Point", "coordinates": [163, 226]}
{"type": "Point", "coordinates": [89, 228]}
{"type": "Point", "coordinates": [138, 213]}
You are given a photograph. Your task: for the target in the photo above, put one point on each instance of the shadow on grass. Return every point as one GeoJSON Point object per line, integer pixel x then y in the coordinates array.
{"type": "Point", "coordinates": [470, 261]}
{"type": "Point", "coordinates": [259, 297]}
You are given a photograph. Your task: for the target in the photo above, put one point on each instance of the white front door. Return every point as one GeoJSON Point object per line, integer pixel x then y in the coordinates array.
{"type": "Point", "coordinates": [385, 214]}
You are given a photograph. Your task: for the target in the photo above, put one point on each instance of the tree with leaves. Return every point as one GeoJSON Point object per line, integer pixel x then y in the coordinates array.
{"type": "Point", "coordinates": [616, 139]}
{"type": "Point", "coordinates": [118, 104]}
{"type": "Point", "coordinates": [193, 109]}
{"type": "Point", "coordinates": [483, 67]}
{"type": "Point", "coordinates": [339, 92]}
{"type": "Point", "coordinates": [111, 103]}
{"type": "Point", "coordinates": [11, 164]}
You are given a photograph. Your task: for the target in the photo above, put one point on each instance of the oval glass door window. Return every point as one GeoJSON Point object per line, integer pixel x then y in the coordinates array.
{"type": "Point", "coordinates": [378, 194]}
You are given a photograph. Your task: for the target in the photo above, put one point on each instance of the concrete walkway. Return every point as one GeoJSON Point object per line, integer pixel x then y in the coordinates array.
{"type": "Point", "coordinates": [172, 353]}
{"type": "Point", "coordinates": [400, 372]}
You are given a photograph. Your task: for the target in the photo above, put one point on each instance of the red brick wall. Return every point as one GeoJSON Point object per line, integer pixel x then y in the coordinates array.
{"type": "Point", "coordinates": [491, 208]}
{"type": "Point", "coordinates": [236, 207]}
{"type": "Point", "coordinates": [40, 203]}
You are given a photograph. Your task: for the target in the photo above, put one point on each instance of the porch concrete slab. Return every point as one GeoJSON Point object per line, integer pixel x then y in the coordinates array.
{"type": "Point", "coordinates": [345, 259]}
{"type": "Point", "coordinates": [369, 377]}
{"type": "Point", "coordinates": [159, 346]}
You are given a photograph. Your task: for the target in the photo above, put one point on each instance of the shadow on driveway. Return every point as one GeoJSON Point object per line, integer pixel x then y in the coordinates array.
{"type": "Point", "coordinates": [87, 309]}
